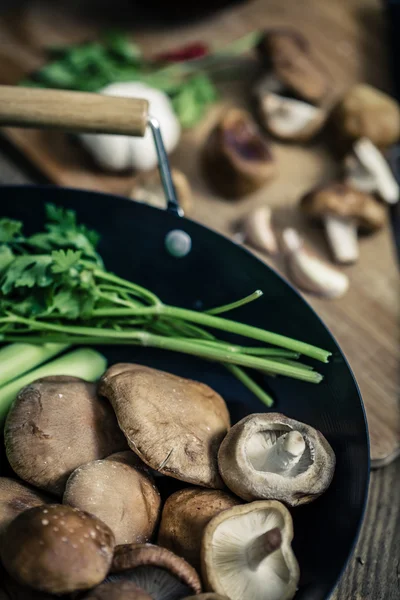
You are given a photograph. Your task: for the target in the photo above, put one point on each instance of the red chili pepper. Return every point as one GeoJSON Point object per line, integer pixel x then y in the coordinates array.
{"type": "Point", "coordinates": [188, 52]}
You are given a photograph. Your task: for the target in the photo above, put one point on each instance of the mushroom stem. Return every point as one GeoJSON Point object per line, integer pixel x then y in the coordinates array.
{"type": "Point", "coordinates": [309, 272]}
{"type": "Point", "coordinates": [258, 230]}
{"type": "Point", "coordinates": [257, 550]}
{"type": "Point", "coordinates": [342, 237]}
{"type": "Point", "coordinates": [374, 162]}
{"type": "Point", "coordinates": [285, 453]}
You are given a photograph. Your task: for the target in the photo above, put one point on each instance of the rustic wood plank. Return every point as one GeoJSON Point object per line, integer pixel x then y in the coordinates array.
{"type": "Point", "coordinates": [373, 572]}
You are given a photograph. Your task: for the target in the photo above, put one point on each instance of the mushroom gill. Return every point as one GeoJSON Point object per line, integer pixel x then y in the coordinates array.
{"type": "Point", "coordinates": [279, 450]}
{"type": "Point", "coordinates": [159, 572]}
{"type": "Point", "coordinates": [269, 456]}
{"type": "Point", "coordinates": [247, 553]}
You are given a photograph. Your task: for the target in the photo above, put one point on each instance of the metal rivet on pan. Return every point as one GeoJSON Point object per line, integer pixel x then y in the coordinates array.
{"type": "Point", "coordinates": [178, 243]}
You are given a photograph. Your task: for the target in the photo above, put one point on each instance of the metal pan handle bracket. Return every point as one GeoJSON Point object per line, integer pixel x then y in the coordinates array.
{"type": "Point", "coordinates": [165, 170]}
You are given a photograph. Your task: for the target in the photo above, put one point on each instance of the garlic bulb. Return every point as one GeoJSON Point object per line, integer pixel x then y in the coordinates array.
{"type": "Point", "coordinates": [121, 152]}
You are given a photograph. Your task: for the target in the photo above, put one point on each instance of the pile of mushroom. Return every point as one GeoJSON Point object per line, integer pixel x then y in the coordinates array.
{"type": "Point", "coordinates": [92, 534]}
{"type": "Point", "coordinates": [295, 99]}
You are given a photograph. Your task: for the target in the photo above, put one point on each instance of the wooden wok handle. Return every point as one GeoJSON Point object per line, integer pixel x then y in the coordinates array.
{"type": "Point", "coordinates": [72, 111]}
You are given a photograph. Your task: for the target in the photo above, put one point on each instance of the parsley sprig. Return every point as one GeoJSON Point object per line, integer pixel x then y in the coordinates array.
{"type": "Point", "coordinates": [54, 288]}
{"type": "Point", "coordinates": [113, 58]}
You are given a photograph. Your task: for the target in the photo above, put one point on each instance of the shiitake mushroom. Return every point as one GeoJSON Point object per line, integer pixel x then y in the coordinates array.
{"type": "Point", "coordinates": [55, 425]}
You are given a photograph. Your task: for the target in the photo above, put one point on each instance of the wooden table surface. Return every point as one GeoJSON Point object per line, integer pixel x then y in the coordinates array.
{"type": "Point", "coordinates": [373, 572]}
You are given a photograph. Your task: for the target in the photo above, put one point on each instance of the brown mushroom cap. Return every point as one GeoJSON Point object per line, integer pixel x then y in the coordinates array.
{"type": "Point", "coordinates": [15, 591]}
{"type": "Point", "coordinates": [341, 200]}
{"type": "Point", "coordinates": [127, 456]}
{"type": "Point", "coordinates": [237, 159]}
{"type": "Point", "coordinates": [185, 515]}
{"type": "Point", "coordinates": [144, 562]}
{"type": "Point", "coordinates": [249, 470]}
{"type": "Point", "coordinates": [118, 590]}
{"type": "Point", "coordinates": [57, 549]}
{"type": "Point", "coordinates": [55, 425]}
{"type": "Point", "coordinates": [246, 553]}
{"type": "Point", "coordinates": [365, 111]}
{"type": "Point", "coordinates": [117, 492]}
{"type": "Point", "coordinates": [289, 57]}
{"type": "Point", "coordinates": [15, 498]}
{"type": "Point", "coordinates": [175, 425]}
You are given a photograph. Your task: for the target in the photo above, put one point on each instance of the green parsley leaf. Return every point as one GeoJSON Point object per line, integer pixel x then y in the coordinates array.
{"type": "Point", "coordinates": [30, 306]}
{"type": "Point", "coordinates": [63, 260]}
{"type": "Point", "coordinates": [60, 215]}
{"type": "Point", "coordinates": [10, 231]}
{"type": "Point", "coordinates": [66, 303]}
{"type": "Point", "coordinates": [63, 232]}
{"type": "Point", "coordinates": [27, 271]}
{"type": "Point", "coordinates": [119, 44]}
{"type": "Point", "coordinates": [6, 257]}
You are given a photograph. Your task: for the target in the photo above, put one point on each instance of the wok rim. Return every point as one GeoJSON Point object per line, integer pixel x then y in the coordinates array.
{"type": "Point", "coordinates": [286, 282]}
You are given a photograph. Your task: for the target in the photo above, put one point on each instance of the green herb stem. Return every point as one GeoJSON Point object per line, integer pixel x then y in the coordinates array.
{"type": "Point", "coordinates": [227, 307]}
{"type": "Point", "coordinates": [296, 363]}
{"type": "Point", "coordinates": [242, 376]}
{"type": "Point", "coordinates": [227, 325]}
{"type": "Point", "coordinates": [137, 289]}
{"type": "Point", "coordinates": [179, 345]}
{"type": "Point", "coordinates": [254, 351]}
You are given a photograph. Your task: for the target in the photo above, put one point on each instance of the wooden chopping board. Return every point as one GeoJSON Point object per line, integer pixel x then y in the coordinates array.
{"type": "Point", "coordinates": [347, 36]}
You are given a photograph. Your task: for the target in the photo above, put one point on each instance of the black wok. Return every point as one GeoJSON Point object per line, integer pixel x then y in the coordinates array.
{"type": "Point", "coordinates": [215, 272]}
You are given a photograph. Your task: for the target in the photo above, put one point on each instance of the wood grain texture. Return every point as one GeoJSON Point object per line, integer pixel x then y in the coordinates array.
{"type": "Point", "coordinates": [72, 111]}
{"type": "Point", "coordinates": [348, 38]}
{"type": "Point", "coordinates": [373, 573]}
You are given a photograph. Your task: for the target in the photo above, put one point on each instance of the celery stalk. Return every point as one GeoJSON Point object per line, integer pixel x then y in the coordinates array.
{"type": "Point", "coordinates": [17, 359]}
{"type": "Point", "coordinates": [85, 363]}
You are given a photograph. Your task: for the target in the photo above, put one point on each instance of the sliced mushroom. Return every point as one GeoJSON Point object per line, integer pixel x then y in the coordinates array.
{"type": "Point", "coordinates": [287, 54]}
{"type": "Point", "coordinates": [366, 112]}
{"type": "Point", "coordinates": [57, 549]}
{"type": "Point", "coordinates": [377, 167]}
{"type": "Point", "coordinates": [121, 495]}
{"type": "Point", "coordinates": [344, 210]}
{"type": "Point", "coordinates": [273, 457]}
{"type": "Point", "coordinates": [15, 498]}
{"type": "Point", "coordinates": [310, 272]}
{"type": "Point", "coordinates": [55, 425]}
{"type": "Point", "coordinates": [148, 189]}
{"type": "Point", "coordinates": [289, 119]}
{"type": "Point", "coordinates": [118, 590]}
{"type": "Point", "coordinates": [246, 553]}
{"type": "Point", "coordinates": [184, 517]}
{"type": "Point", "coordinates": [173, 424]}
{"type": "Point", "coordinates": [258, 231]}
{"type": "Point", "coordinates": [162, 574]}
{"type": "Point", "coordinates": [237, 159]}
